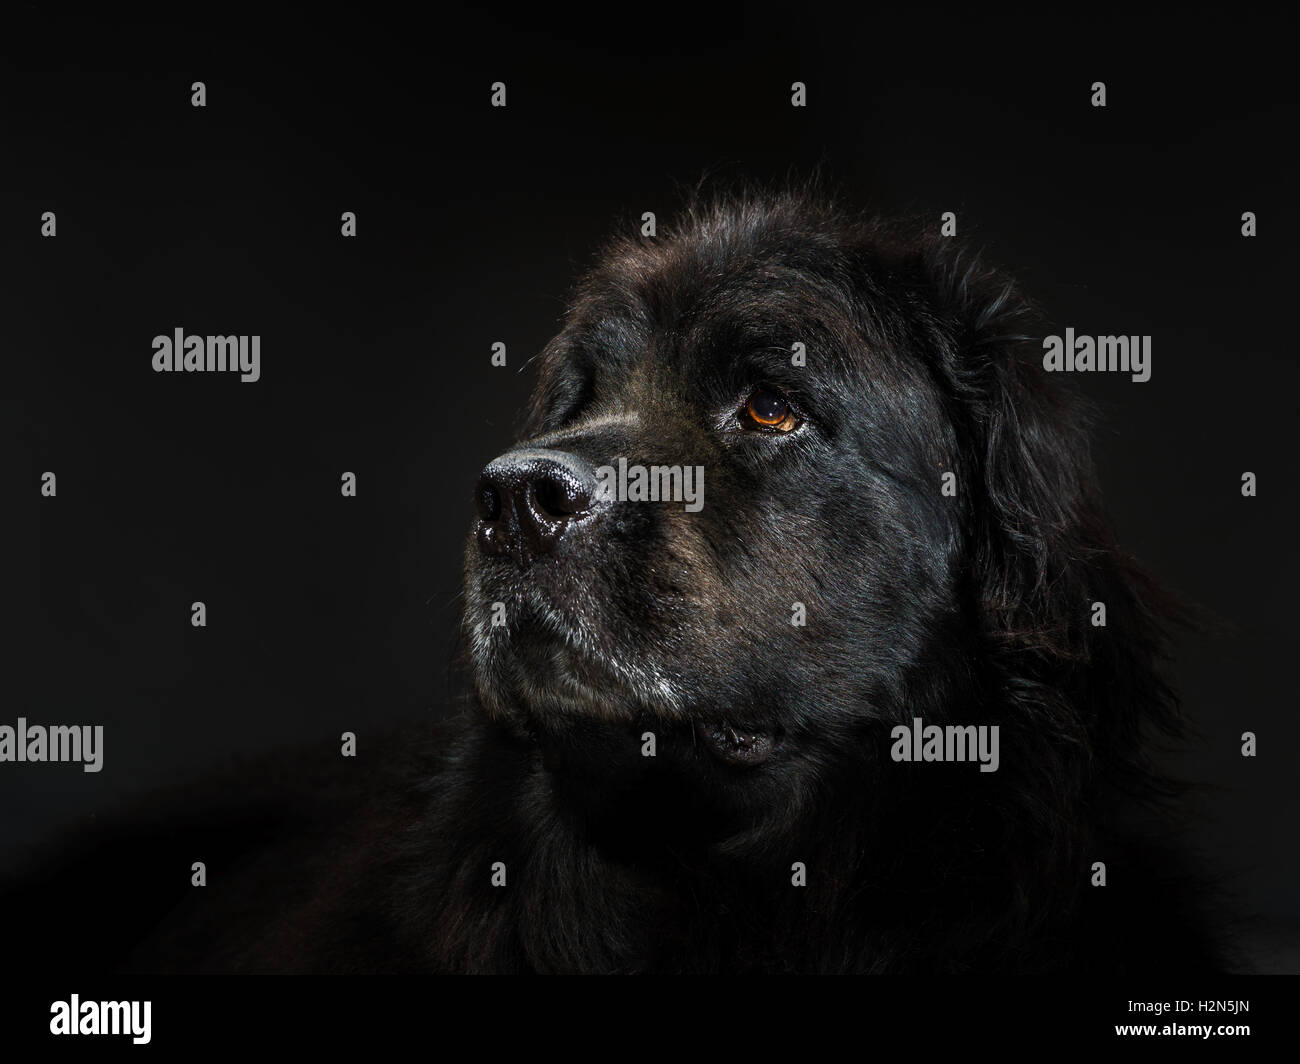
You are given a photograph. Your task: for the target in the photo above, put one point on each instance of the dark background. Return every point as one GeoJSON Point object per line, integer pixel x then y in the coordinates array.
{"type": "Point", "coordinates": [328, 614]}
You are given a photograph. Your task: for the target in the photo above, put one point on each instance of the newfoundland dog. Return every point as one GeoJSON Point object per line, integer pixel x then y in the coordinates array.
{"type": "Point", "coordinates": [799, 642]}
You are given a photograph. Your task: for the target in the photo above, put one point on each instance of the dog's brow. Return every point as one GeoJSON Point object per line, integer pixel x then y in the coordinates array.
{"type": "Point", "coordinates": [771, 362]}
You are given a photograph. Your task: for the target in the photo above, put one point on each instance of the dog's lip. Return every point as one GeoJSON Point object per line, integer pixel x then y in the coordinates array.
{"type": "Point", "coordinates": [552, 669]}
{"type": "Point", "coordinates": [737, 744]}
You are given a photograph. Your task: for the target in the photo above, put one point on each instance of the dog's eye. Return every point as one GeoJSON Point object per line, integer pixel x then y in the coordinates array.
{"type": "Point", "coordinates": [767, 410]}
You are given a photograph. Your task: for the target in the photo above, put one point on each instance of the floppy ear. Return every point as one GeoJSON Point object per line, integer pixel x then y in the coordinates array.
{"type": "Point", "coordinates": [1033, 496]}
{"type": "Point", "coordinates": [1041, 547]}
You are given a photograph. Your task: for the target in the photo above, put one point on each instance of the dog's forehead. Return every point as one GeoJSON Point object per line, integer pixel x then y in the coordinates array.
{"type": "Point", "coordinates": [706, 288]}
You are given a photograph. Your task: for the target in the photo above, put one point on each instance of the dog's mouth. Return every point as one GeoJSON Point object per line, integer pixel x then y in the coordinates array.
{"type": "Point", "coordinates": [573, 676]}
{"type": "Point", "coordinates": [737, 744]}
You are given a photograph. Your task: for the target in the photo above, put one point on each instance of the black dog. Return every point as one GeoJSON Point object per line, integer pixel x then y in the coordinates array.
{"type": "Point", "coordinates": [685, 754]}
{"type": "Point", "coordinates": [772, 829]}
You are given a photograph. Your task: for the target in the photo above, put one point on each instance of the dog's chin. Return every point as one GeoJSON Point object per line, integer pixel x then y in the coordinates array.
{"type": "Point", "coordinates": [564, 691]}
{"type": "Point", "coordinates": [544, 679]}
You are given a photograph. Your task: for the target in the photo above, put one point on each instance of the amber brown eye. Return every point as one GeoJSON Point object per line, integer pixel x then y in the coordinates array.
{"type": "Point", "coordinates": [769, 411]}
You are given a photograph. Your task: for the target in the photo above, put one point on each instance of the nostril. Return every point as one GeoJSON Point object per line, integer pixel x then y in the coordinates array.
{"type": "Point", "coordinates": [488, 501]}
{"type": "Point", "coordinates": [558, 498]}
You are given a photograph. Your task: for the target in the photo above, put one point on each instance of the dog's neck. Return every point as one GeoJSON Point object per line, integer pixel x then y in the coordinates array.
{"type": "Point", "coordinates": [639, 853]}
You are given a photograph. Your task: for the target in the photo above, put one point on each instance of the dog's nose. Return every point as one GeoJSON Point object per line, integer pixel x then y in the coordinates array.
{"type": "Point", "coordinates": [528, 499]}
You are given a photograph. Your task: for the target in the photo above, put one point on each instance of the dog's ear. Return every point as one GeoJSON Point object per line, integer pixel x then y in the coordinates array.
{"type": "Point", "coordinates": [1031, 486]}
{"type": "Point", "coordinates": [1077, 627]}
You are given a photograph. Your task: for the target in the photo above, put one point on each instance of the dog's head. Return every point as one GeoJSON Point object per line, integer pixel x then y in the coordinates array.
{"type": "Point", "coordinates": [790, 477]}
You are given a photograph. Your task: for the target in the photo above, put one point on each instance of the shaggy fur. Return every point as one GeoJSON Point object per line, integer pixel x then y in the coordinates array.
{"type": "Point", "coordinates": [977, 608]}
{"type": "Point", "coordinates": [973, 609]}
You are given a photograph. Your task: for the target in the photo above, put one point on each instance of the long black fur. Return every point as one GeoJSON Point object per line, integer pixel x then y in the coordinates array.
{"type": "Point", "coordinates": [977, 608]}
{"type": "Point", "coordinates": [618, 867]}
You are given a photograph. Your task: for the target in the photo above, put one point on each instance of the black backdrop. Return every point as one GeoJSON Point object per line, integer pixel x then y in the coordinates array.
{"type": "Point", "coordinates": [328, 614]}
